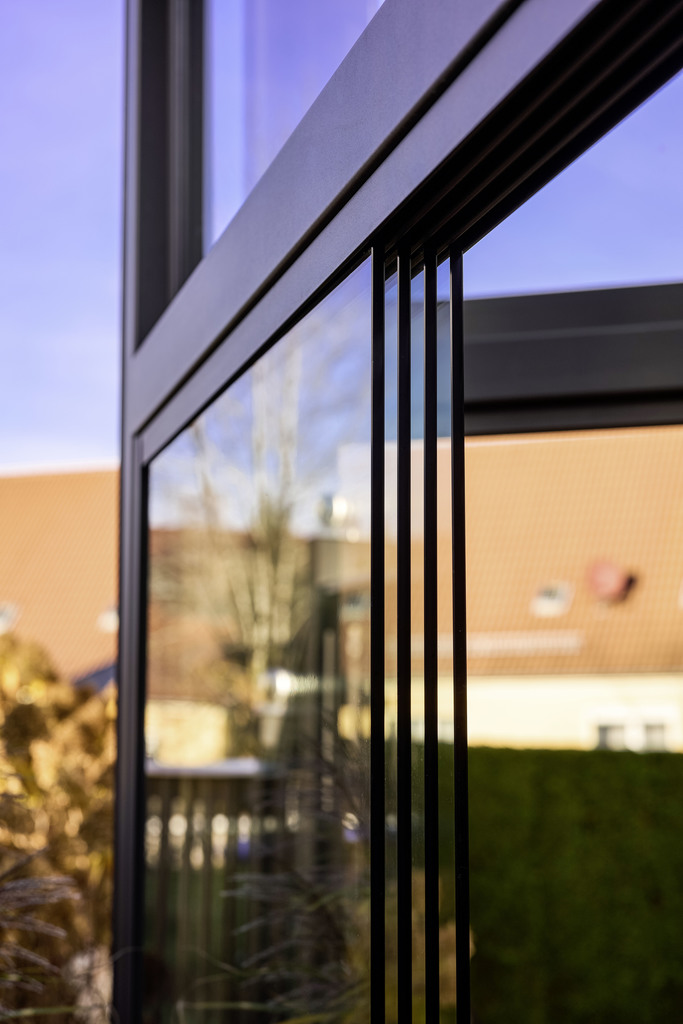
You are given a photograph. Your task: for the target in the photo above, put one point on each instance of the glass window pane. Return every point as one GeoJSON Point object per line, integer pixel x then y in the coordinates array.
{"type": "Point", "coordinates": [575, 570]}
{"type": "Point", "coordinates": [257, 717]}
{"type": "Point", "coordinates": [614, 216]}
{"type": "Point", "coordinates": [575, 673]}
{"type": "Point", "coordinates": [267, 61]}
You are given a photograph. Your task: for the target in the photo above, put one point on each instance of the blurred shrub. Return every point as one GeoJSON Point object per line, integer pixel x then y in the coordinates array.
{"type": "Point", "coordinates": [576, 895]}
{"type": "Point", "coordinates": [56, 778]}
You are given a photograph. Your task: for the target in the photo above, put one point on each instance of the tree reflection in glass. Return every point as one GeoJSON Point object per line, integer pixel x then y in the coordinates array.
{"type": "Point", "coordinates": [257, 719]}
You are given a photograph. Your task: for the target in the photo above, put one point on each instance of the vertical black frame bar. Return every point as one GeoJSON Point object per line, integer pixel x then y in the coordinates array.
{"type": "Point", "coordinates": [166, 87]}
{"type": "Point", "coordinates": [147, 144]}
{"type": "Point", "coordinates": [377, 653]}
{"type": "Point", "coordinates": [431, 650]}
{"type": "Point", "coordinates": [403, 645]}
{"type": "Point", "coordinates": [129, 808]}
{"type": "Point", "coordinates": [462, 878]}
{"type": "Point", "coordinates": [186, 31]}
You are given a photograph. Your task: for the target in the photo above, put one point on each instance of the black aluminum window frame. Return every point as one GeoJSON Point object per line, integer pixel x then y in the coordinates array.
{"type": "Point", "coordinates": [604, 357]}
{"type": "Point", "coordinates": [476, 105]}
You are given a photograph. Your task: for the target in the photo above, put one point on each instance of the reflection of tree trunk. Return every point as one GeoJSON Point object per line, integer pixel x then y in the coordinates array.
{"type": "Point", "coordinates": [274, 441]}
{"type": "Point", "coordinates": [253, 577]}
{"type": "Point", "coordinates": [213, 567]}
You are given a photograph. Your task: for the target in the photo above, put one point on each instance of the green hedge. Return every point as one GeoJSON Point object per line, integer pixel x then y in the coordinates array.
{"type": "Point", "coordinates": [576, 886]}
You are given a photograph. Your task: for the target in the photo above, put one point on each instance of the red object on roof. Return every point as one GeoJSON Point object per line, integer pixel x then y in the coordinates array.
{"type": "Point", "coordinates": [608, 581]}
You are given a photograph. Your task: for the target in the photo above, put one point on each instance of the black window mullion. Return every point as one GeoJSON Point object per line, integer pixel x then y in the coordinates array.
{"type": "Point", "coordinates": [377, 654]}
{"type": "Point", "coordinates": [462, 890]}
{"type": "Point", "coordinates": [148, 56]}
{"type": "Point", "coordinates": [130, 811]}
{"type": "Point", "coordinates": [185, 140]}
{"type": "Point", "coordinates": [403, 646]}
{"type": "Point", "coordinates": [431, 666]}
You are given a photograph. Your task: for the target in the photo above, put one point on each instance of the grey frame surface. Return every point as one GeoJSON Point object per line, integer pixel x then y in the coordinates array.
{"type": "Point", "coordinates": [291, 212]}
{"type": "Point", "coordinates": [474, 105]}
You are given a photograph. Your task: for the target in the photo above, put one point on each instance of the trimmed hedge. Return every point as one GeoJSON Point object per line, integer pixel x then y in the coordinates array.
{"type": "Point", "coordinates": [576, 886]}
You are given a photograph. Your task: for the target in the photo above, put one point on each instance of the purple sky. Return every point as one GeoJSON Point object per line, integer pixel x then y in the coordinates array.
{"type": "Point", "coordinates": [614, 217]}
{"type": "Point", "coordinates": [61, 83]}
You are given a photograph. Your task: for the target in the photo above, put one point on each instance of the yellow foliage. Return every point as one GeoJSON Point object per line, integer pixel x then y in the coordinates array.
{"type": "Point", "coordinates": [56, 773]}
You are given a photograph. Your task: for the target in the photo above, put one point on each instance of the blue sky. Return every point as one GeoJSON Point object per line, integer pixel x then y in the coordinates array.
{"type": "Point", "coordinates": [61, 108]}
{"type": "Point", "coordinates": [614, 217]}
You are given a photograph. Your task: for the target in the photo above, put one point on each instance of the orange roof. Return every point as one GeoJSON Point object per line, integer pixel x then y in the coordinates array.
{"type": "Point", "coordinates": [58, 563]}
{"type": "Point", "coordinates": [545, 509]}
{"type": "Point", "coordinates": [545, 512]}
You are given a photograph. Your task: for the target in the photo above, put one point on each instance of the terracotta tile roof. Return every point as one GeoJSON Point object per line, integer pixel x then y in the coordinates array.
{"type": "Point", "coordinates": [58, 563]}
{"type": "Point", "coordinates": [543, 509]}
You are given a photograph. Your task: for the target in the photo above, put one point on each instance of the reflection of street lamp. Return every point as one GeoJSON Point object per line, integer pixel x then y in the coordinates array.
{"type": "Point", "coordinates": [277, 685]}
{"type": "Point", "coordinates": [338, 514]}
{"type": "Point", "coordinates": [333, 510]}
{"type": "Point", "coordinates": [276, 682]}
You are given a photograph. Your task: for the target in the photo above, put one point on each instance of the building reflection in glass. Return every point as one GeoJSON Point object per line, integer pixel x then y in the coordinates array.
{"type": "Point", "coordinates": [257, 719]}
{"type": "Point", "coordinates": [575, 661]}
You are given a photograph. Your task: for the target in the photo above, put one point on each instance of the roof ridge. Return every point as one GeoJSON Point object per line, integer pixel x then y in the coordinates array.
{"type": "Point", "coordinates": [59, 469]}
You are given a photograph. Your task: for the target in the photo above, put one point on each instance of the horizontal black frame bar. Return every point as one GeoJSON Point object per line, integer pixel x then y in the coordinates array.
{"type": "Point", "coordinates": [602, 342]}
{"type": "Point", "coordinates": [600, 413]}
